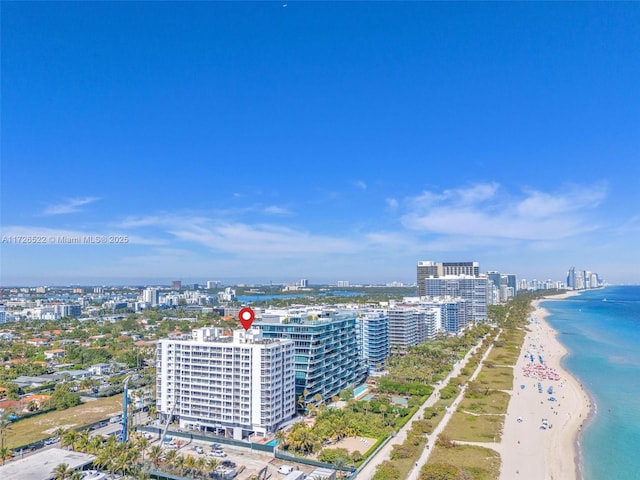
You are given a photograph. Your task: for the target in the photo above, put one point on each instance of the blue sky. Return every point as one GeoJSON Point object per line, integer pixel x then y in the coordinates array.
{"type": "Point", "coordinates": [257, 142]}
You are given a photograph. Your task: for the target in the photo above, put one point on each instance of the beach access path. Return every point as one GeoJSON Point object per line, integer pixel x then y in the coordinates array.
{"type": "Point", "coordinates": [414, 474]}
{"type": "Point", "coordinates": [385, 452]}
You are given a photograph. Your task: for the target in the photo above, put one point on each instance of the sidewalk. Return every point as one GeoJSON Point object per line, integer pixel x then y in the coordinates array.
{"type": "Point", "coordinates": [415, 472]}
{"type": "Point", "coordinates": [385, 453]}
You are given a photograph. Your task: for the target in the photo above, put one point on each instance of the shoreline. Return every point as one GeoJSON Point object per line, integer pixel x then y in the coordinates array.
{"type": "Point", "coordinates": [592, 407]}
{"type": "Point", "coordinates": [532, 447]}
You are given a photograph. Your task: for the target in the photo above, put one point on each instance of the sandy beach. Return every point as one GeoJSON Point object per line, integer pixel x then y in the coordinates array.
{"type": "Point", "coordinates": [540, 435]}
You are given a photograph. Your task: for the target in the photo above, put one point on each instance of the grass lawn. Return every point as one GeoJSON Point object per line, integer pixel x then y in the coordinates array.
{"type": "Point", "coordinates": [43, 426]}
{"type": "Point", "coordinates": [499, 378]}
{"type": "Point", "coordinates": [495, 402]}
{"type": "Point", "coordinates": [481, 463]}
{"type": "Point", "coordinates": [404, 465]}
{"type": "Point", "coordinates": [474, 428]}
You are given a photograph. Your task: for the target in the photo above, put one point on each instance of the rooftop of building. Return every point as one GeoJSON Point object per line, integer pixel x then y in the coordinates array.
{"type": "Point", "coordinates": [39, 466]}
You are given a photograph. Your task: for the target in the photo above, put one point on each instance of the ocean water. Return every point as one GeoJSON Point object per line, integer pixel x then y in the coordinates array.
{"type": "Point", "coordinates": [601, 330]}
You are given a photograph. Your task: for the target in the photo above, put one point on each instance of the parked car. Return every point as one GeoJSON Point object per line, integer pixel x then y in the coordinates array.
{"type": "Point", "coordinates": [198, 449]}
{"type": "Point", "coordinates": [228, 464]}
{"type": "Point", "coordinates": [217, 453]}
{"type": "Point", "coordinates": [286, 469]}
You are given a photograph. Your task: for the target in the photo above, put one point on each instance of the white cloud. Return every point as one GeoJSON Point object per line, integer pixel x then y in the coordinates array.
{"type": "Point", "coordinates": [263, 239]}
{"type": "Point", "coordinates": [72, 205]}
{"type": "Point", "coordinates": [459, 196]}
{"type": "Point", "coordinates": [361, 185]}
{"type": "Point", "coordinates": [479, 212]}
{"type": "Point", "coordinates": [392, 202]}
{"type": "Point", "coordinates": [275, 210]}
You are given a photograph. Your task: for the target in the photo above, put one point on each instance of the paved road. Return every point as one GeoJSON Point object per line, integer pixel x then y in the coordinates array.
{"type": "Point", "coordinates": [385, 453]}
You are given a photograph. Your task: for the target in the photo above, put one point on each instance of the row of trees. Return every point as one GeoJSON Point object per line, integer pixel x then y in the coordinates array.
{"type": "Point", "coordinates": [427, 363]}
{"type": "Point", "coordinates": [132, 458]}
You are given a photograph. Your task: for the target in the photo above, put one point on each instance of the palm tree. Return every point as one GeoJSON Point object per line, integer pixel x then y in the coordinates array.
{"type": "Point", "coordinates": [153, 412]}
{"type": "Point", "coordinates": [155, 452]}
{"type": "Point", "coordinates": [75, 475]}
{"type": "Point", "coordinates": [69, 438]}
{"type": "Point", "coordinates": [170, 458]}
{"type": "Point", "coordinates": [95, 445]}
{"type": "Point", "coordinates": [280, 437]}
{"type": "Point", "coordinates": [383, 410]}
{"type": "Point", "coordinates": [82, 441]}
{"type": "Point", "coordinates": [4, 454]}
{"type": "Point", "coordinates": [4, 427]}
{"type": "Point", "coordinates": [201, 465]}
{"type": "Point", "coordinates": [340, 463]}
{"type": "Point", "coordinates": [142, 475]}
{"type": "Point", "coordinates": [190, 464]}
{"type": "Point", "coordinates": [121, 464]}
{"type": "Point", "coordinates": [212, 464]}
{"type": "Point", "coordinates": [180, 462]}
{"type": "Point", "coordinates": [142, 443]}
{"type": "Point", "coordinates": [62, 471]}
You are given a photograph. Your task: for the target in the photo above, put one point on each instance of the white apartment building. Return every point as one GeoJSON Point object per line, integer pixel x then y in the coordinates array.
{"type": "Point", "coordinates": [151, 296]}
{"type": "Point", "coordinates": [241, 385]}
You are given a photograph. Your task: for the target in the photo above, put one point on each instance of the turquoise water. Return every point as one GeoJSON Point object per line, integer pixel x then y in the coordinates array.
{"type": "Point", "coordinates": [360, 390]}
{"type": "Point", "coordinates": [368, 398]}
{"type": "Point", "coordinates": [272, 443]}
{"type": "Point", "coordinates": [601, 329]}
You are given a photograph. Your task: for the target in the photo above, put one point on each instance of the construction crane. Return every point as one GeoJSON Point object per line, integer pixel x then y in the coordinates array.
{"type": "Point", "coordinates": [125, 408]}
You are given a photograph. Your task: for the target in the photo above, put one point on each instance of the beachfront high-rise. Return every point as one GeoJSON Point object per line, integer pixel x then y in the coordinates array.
{"type": "Point", "coordinates": [430, 269]}
{"type": "Point", "coordinates": [582, 279]}
{"type": "Point", "coordinates": [242, 385]}
{"type": "Point", "coordinates": [404, 327]}
{"type": "Point", "coordinates": [373, 339]}
{"type": "Point", "coordinates": [327, 353]}
{"type": "Point", "coordinates": [471, 289]}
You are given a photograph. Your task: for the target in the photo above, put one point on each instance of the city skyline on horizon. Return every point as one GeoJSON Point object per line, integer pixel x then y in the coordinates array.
{"type": "Point", "coordinates": [187, 282]}
{"type": "Point", "coordinates": [229, 141]}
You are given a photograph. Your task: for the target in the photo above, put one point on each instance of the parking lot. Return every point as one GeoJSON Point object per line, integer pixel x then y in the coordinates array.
{"type": "Point", "coordinates": [253, 461]}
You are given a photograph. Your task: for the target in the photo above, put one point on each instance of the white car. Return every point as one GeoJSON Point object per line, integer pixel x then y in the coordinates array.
{"type": "Point", "coordinates": [217, 453]}
{"type": "Point", "coordinates": [286, 469]}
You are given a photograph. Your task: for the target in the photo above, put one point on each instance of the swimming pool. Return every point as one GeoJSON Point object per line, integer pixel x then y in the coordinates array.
{"type": "Point", "coordinates": [360, 390]}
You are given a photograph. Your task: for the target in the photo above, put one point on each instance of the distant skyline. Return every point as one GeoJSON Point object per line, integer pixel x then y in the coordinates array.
{"type": "Point", "coordinates": [248, 142]}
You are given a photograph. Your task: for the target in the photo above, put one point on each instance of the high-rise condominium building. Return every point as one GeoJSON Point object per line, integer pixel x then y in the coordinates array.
{"type": "Point", "coordinates": [472, 289]}
{"type": "Point", "coordinates": [151, 296]}
{"type": "Point", "coordinates": [242, 384]}
{"type": "Point", "coordinates": [373, 337]}
{"type": "Point", "coordinates": [430, 269]}
{"type": "Point", "coordinates": [327, 356]}
{"type": "Point", "coordinates": [404, 328]}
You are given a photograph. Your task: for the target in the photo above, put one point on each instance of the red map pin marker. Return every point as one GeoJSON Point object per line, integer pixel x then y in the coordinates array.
{"type": "Point", "coordinates": [246, 317]}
